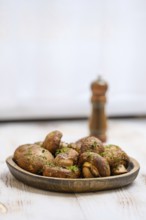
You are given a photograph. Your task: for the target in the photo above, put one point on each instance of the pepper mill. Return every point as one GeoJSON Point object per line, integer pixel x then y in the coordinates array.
{"type": "Point", "coordinates": [98, 120]}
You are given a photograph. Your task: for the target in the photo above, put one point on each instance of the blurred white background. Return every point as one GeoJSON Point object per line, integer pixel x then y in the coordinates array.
{"type": "Point", "coordinates": [51, 51]}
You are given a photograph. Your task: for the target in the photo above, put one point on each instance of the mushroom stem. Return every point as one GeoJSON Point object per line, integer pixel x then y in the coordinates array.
{"type": "Point", "coordinates": [89, 170]}
{"type": "Point", "coordinates": [86, 170]}
{"type": "Point", "coordinates": [120, 169]}
{"type": "Point", "coordinates": [94, 171]}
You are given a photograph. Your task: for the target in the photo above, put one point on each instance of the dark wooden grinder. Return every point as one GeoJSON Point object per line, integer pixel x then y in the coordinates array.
{"type": "Point", "coordinates": [98, 120]}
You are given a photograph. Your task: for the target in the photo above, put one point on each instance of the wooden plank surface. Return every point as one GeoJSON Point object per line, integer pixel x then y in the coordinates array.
{"type": "Point", "coordinates": [18, 201]}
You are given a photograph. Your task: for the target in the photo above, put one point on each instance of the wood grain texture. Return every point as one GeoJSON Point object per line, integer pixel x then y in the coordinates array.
{"type": "Point", "coordinates": [19, 201]}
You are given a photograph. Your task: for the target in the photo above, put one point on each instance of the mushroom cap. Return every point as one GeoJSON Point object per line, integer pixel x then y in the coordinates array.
{"type": "Point", "coordinates": [60, 172]}
{"type": "Point", "coordinates": [115, 156]}
{"type": "Point", "coordinates": [73, 146]}
{"type": "Point", "coordinates": [52, 141]}
{"type": "Point", "coordinates": [32, 157]}
{"type": "Point", "coordinates": [91, 144]}
{"type": "Point", "coordinates": [66, 157]}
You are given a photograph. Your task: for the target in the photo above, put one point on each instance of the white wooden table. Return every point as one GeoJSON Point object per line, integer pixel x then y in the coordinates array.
{"type": "Point", "coordinates": [18, 201]}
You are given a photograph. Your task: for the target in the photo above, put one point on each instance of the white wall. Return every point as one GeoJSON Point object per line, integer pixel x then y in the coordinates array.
{"type": "Point", "coordinates": [51, 50]}
{"type": "Point", "coordinates": [124, 55]}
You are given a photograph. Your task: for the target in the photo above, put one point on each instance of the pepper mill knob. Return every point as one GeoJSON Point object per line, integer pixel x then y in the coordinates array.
{"type": "Point", "coordinates": [98, 120]}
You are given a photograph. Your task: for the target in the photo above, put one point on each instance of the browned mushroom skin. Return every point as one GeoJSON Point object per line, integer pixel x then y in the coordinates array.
{"type": "Point", "coordinates": [39, 143]}
{"type": "Point", "coordinates": [66, 157]}
{"type": "Point", "coordinates": [60, 172]}
{"type": "Point", "coordinates": [32, 157]}
{"type": "Point", "coordinates": [117, 158]}
{"type": "Point", "coordinates": [91, 144]}
{"type": "Point", "coordinates": [63, 144]}
{"type": "Point", "coordinates": [73, 146]}
{"type": "Point", "coordinates": [86, 158]}
{"type": "Point", "coordinates": [52, 141]}
{"type": "Point", "coordinates": [100, 163]}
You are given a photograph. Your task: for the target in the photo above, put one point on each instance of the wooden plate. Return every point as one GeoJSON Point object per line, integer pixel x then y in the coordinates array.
{"type": "Point", "coordinates": [74, 185]}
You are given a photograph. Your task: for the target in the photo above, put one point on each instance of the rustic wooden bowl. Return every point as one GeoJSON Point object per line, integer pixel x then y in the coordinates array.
{"type": "Point", "coordinates": [74, 185]}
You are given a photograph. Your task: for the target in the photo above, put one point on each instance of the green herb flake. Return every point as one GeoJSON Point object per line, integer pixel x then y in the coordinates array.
{"type": "Point", "coordinates": [62, 150]}
{"type": "Point", "coordinates": [103, 154]}
{"type": "Point", "coordinates": [73, 168]}
{"type": "Point", "coordinates": [50, 164]}
{"type": "Point", "coordinates": [94, 145]}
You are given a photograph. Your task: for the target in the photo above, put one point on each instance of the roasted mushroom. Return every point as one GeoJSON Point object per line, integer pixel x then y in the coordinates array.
{"type": "Point", "coordinates": [32, 157]}
{"type": "Point", "coordinates": [93, 165]}
{"type": "Point", "coordinates": [51, 170]}
{"type": "Point", "coordinates": [117, 158]}
{"type": "Point", "coordinates": [91, 144]}
{"type": "Point", "coordinates": [52, 141]}
{"type": "Point", "coordinates": [66, 157]}
{"type": "Point", "coordinates": [86, 158]}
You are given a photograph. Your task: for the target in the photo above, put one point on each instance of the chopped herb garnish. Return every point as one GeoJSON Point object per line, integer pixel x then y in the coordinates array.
{"type": "Point", "coordinates": [50, 164]}
{"type": "Point", "coordinates": [62, 150]}
{"type": "Point", "coordinates": [103, 154]}
{"type": "Point", "coordinates": [94, 145]}
{"type": "Point", "coordinates": [73, 168]}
